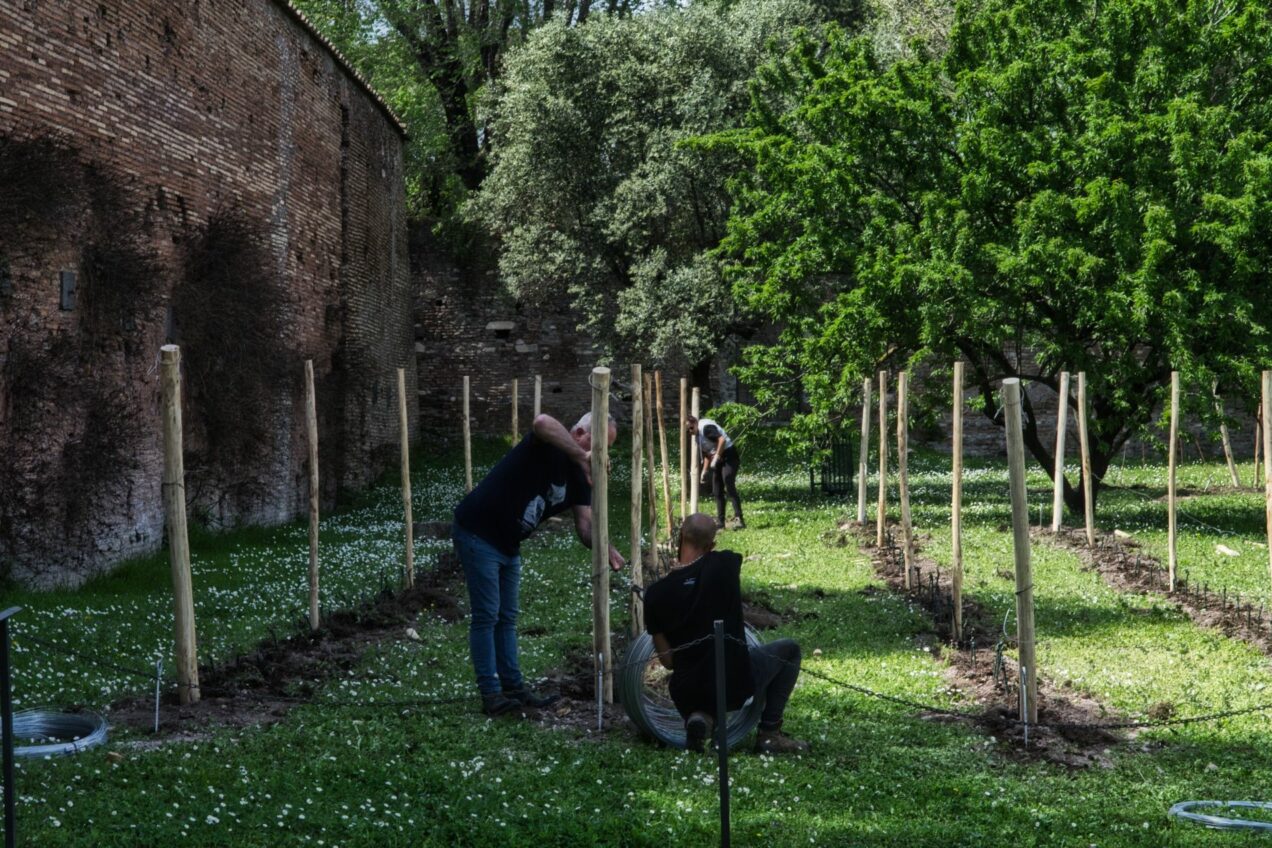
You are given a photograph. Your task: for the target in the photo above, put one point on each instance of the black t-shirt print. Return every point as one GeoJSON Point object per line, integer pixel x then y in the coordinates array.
{"type": "Point", "coordinates": [533, 482]}
{"type": "Point", "coordinates": [684, 606]}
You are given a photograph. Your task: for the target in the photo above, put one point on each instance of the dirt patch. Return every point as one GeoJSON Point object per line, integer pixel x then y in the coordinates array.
{"type": "Point", "coordinates": [262, 685]}
{"type": "Point", "coordinates": [1125, 567]}
{"type": "Point", "coordinates": [575, 680]}
{"type": "Point", "coordinates": [979, 669]}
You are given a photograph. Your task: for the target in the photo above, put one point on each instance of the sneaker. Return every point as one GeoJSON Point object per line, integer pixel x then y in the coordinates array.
{"type": "Point", "coordinates": [497, 704]}
{"type": "Point", "coordinates": [698, 729]}
{"type": "Point", "coordinates": [527, 698]}
{"type": "Point", "coordinates": [777, 742]}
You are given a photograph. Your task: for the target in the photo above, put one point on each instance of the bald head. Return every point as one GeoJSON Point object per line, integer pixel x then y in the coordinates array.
{"type": "Point", "coordinates": [697, 536]}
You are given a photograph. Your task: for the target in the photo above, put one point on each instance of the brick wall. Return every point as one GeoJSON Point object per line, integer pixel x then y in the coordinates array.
{"type": "Point", "coordinates": [165, 114]}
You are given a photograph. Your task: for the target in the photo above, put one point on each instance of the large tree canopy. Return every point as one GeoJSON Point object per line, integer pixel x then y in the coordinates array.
{"type": "Point", "coordinates": [1080, 185]}
{"type": "Point", "coordinates": [592, 192]}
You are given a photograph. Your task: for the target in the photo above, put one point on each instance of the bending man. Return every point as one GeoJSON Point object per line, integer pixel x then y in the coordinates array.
{"type": "Point", "coordinates": [720, 461]}
{"type": "Point", "coordinates": [683, 607]}
{"type": "Point", "coordinates": [546, 473]}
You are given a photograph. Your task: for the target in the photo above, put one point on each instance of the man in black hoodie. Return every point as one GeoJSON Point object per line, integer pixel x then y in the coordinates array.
{"type": "Point", "coordinates": [682, 608]}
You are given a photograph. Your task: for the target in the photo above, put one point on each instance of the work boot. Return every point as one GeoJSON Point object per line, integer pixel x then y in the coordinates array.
{"type": "Point", "coordinates": [698, 729]}
{"type": "Point", "coordinates": [776, 742]}
{"type": "Point", "coordinates": [527, 698]}
{"type": "Point", "coordinates": [496, 704]}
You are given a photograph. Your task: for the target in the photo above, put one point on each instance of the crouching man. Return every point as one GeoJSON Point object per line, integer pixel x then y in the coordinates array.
{"type": "Point", "coordinates": [682, 608]}
{"type": "Point", "coordinates": [547, 472]}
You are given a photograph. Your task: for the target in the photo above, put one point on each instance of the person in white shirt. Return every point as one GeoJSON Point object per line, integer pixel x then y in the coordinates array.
{"type": "Point", "coordinates": [720, 462]}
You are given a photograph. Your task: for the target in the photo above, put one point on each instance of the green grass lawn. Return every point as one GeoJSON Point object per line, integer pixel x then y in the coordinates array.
{"type": "Point", "coordinates": [878, 774]}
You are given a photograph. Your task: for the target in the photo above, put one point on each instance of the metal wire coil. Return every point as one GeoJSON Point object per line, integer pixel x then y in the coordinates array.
{"type": "Point", "coordinates": [655, 715]}
{"type": "Point", "coordinates": [57, 733]}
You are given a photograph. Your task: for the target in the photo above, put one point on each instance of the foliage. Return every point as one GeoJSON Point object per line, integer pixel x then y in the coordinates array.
{"type": "Point", "coordinates": [1079, 185]}
{"type": "Point", "coordinates": [592, 191]}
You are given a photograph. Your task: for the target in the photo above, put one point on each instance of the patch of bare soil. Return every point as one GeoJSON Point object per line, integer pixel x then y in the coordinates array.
{"type": "Point", "coordinates": [260, 686]}
{"type": "Point", "coordinates": [1125, 567]}
{"type": "Point", "coordinates": [1066, 732]}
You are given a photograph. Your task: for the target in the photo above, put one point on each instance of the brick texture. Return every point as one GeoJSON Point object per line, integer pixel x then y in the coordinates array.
{"type": "Point", "coordinates": [192, 107]}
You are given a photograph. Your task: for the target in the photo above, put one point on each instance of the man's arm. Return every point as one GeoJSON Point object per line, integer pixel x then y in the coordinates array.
{"type": "Point", "coordinates": [554, 433]}
{"type": "Point", "coordinates": [663, 649]}
{"type": "Point", "coordinates": [583, 526]}
{"type": "Point", "coordinates": [719, 452]}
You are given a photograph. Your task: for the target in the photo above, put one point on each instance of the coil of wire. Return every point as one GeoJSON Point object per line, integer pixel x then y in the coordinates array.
{"type": "Point", "coordinates": [654, 714]}
{"type": "Point", "coordinates": [54, 734]}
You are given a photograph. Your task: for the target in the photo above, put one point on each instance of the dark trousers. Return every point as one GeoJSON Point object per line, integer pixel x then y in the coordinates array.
{"type": "Point", "coordinates": [774, 668]}
{"type": "Point", "coordinates": [724, 477]}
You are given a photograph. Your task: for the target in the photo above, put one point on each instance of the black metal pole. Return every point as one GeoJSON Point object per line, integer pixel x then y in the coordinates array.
{"type": "Point", "coordinates": [722, 734]}
{"type": "Point", "coordinates": [6, 719]}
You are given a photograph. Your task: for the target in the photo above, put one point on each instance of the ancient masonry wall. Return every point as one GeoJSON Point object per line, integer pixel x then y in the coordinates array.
{"type": "Point", "coordinates": [138, 133]}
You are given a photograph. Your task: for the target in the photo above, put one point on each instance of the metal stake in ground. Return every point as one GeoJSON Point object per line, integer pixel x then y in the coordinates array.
{"type": "Point", "coordinates": [881, 512]}
{"type": "Point", "coordinates": [903, 473]}
{"type": "Point", "coordinates": [1062, 422]}
{"type": "Point", "coordinates": [1020, 539]}
{"type": "Point", "coordinates": [178, 541]}
{"type": "Point", "coordinates": [409, 521]}
{"type": "Point", "coordinates": [863, 464]}
{"type": "Point", "coordinates": [956, 505]}
{"type": "Point", "coordinates": [600, 530]}
{"type": "Point", "coordinates": [1172, 540]}
{"type": "Point", "coordinates": [6, 719]}
{"type": "Point", "coordinates": [722, 733]}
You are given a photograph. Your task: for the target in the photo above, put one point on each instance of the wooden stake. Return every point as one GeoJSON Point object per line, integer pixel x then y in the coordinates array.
{"type": "Point", "coordinates": [1172, 537]}
{"type": "Point", "coordinates": [956, 504]}
{"type": "Point", "coordinates": [600, 533]}
{"type": "Point", "coordinates": [1020, 541]}
{"type": "Point", "coordinates": [409, 575]}
{"type": "Point", "coordinates": [468, 442]}
{"type": "Point", "coordinates": [538, 395]}
{"type": "Point", "coordinates": [684, 423]}
{"type": "Point", "coordinates": [1062, 424]}
{"type": "Point", "coordinates": [638, 458]}
{"type": "Point", "coordinates": [516, 428]}
{"type": "Point", "coordinates": [311, 428]}
{"type": "Point", "coordinates": [650, 468]}
{"type": "Point", "coordinates": [695, 456]}
{"type": "Point", "coordinates": [1267, 466]}
{"type": "Point", "coordinates": [1225, 437]}
{"type": "Point", "coordinates": [903, 474]}
{"type": "Point", "coordinates": [863, 469]}
{"type": "Point", "coordinates": [662, 450]}
{"type": "Point", "coordinates": [881, 511]}
{"type": "Point", "coordinates": [1084, 446]}
{"type": "Point", "coordinates": [178, 538]}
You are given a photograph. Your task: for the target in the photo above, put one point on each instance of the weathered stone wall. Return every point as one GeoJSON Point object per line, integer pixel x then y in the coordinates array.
{"type": "Point", "coordinates": [153, 124]}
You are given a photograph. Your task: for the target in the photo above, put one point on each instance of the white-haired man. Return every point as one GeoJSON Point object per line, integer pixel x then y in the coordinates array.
{"type": "Point", "coordinates": [544, 474]}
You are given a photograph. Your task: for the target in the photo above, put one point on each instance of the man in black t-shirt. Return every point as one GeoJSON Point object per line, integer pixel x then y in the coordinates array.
{"type": "Point", "coordinates": [682, 608]}
{"type": "Point", "coordinates": [546, 473]}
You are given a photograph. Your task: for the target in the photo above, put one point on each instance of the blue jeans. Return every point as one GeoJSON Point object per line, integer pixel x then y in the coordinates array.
{"type": "Point", "coordinates": [494, 583]}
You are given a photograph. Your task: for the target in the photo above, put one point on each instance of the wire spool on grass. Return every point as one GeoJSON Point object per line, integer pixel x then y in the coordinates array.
{"type": "Point", "coordinates": [652, 711]}
{"type": "Point", "coordinates": [52, 734]}
{"type": "Point", "coordinates": [1184, 810]}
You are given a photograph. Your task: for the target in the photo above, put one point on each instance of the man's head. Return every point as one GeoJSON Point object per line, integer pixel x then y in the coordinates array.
{"type": "Point", "coordinates": [697, 536]}
{"type": "Point", "coordinates": [582, 431]}
{"type": "Point", "coordinates": [691, 423]}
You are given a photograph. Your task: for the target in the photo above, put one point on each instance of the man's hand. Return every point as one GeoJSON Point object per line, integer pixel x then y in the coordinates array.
{"type": "Point", "coordinates": [586, 461]}
{"type": "Point", "coordinates": [616, 561]}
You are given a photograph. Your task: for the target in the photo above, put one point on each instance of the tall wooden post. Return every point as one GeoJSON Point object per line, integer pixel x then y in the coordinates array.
{"type": "Point", "coordinates": [1084, 444]}
{"type": "Point", "coordinates": [863, 469]}
{"type": "Point", "coordinates": [516, 425]}
{"type": "Point", "coordinates": [408, 576]}
{"type": "Point", "coordinates": [638, 458]}
{"type": "Point", "coordinates": [1062, 423]}
{"type": "Point", "coordinates": [695, 455]}
{"type": "Point", "coordinates": [1224, 436]}
{"type": "Point", "coordinates": [881, 511]}
{"type": "Point", "coordinates": [311, 429]}
{"type": "Point", "coordinates": [468, 442]}
{"type": "Point", "coordinates": [903, 472]}
{"type": "Point", "coordinates": [1266, 408]}
{"type": "Point", "coordinates": [538, 395]}
{"type": "Point", "coordinates": [1020, 541]}
{"type": "Point", "coordinates": [1172, 502]}
{"type": "Point", "coordinates": [662, 450]}
{"type": "Point", "coordinates": [956, 504]}
{"type": "Point", "coordinates": [684, 496]}
{"type": "Point", "coordinates": [649, 462]}
{"type": "Point", "coordinates": [600, 532]}
{"type": "Point", "coordinates": [178, 538]}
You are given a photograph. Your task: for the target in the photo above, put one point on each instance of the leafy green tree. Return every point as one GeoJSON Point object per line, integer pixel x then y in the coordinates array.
{"type": "Point", "coordinates": [592, 191]}
{"type": "Point", "coordinates": [1080, 185]}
